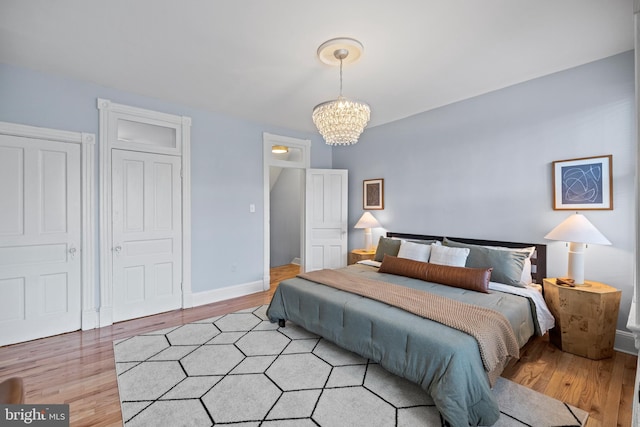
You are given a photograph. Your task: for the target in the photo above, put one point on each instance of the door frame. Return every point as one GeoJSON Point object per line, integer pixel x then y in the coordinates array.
{"type": "Point", "coordinates": [86, 141]}
{"type": "Point", "coordinates": [109, 112]}
{"type": "Point", "coordinates": [304, 163]}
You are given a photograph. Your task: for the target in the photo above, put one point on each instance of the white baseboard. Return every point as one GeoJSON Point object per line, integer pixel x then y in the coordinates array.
{"type": "Point", "coordinates": [215, 295]}
{"type": "Point", "coordinates": [625, 342]}
{"type": "Point", "coordinates": [105, 316]}
{"type": "Point", "coordinates": [90, 319]}
{"type": "Point", "coordinates": [187, 299]}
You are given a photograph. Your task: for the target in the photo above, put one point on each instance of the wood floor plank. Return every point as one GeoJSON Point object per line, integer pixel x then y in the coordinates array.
{"type": "Point", "coordinates": [625, 411]}
{"type": "Point", "coordinates": [614, 390]}
{"type": "Point", "coordinates": [538, 360]}
{"type": "Point", "coordinates": [599, 376]}
{"type": "Point", "coordinates": [79, 368]}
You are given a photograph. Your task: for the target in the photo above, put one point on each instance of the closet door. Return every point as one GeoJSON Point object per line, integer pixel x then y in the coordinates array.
{"type": "Point", "coordinates": [40, 235]}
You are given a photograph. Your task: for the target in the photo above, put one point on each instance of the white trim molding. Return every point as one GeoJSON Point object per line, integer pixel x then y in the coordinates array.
{"type": "Point", "coordinates": [87, 251]}
{"type": "Point", "coordinates": [625, 342]}
{"type": "Point", "coordinates": [304, 162]}
{"type": "Point", "coordinates": [222, 294]}
{"type": "Point", "coordinates": [187, 301]}
{"type": "Point", "coordinates": [634, 312]}
{"type": "Point", "coordinates": [109, 114]}
{"type": "Point", "coordinates": [106, 286]}
{"type": "Point", "coordinates": [89, 309]}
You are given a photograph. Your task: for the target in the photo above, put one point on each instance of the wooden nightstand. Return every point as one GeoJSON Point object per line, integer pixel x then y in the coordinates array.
{"type": "Point", "coordinates": [586, 317]}
{"type": "Point", "coordinates": [360, 254]}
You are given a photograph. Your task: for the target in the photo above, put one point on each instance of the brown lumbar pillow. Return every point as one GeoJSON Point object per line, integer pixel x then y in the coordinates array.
{"type": "Point", "coordinates": [404, 267]}
{"type": "Point", "coordinates": [474, 279]}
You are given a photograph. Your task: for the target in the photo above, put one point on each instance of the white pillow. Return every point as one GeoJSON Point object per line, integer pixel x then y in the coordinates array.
{"type": "Point", "coordinates": [527, 277]}
{"type": "Point", "coordinates": [370, 263]}
{"type": "Point", "coordinates": [447, 255]}
{"type": "Point", "coordinates": [415, 251]}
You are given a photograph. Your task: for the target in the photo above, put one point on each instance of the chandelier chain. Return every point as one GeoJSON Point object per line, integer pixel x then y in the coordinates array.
{"type": "Point", "coordinates": [341, 76]}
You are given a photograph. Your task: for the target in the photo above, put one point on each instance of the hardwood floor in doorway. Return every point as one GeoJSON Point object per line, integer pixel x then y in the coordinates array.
{"type": "Point", "coordinates": [78, 368]}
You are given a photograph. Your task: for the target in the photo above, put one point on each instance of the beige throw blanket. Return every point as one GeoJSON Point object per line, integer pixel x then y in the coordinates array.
{"type": "Point", "coordinates": [491, 329]}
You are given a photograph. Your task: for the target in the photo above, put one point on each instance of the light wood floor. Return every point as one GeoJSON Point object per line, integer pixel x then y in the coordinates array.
{"type": "Point", "coordinates": [78, 368]}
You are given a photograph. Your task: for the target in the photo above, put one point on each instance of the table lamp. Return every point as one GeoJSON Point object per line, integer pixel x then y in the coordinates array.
{"type": "Point", "coordinates": [367, 221]}
{"type": "Point", "coordinates": [577, 231]}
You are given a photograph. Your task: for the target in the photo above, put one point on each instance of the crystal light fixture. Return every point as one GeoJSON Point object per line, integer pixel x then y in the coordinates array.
{"type": "Point", "coordinates": [341, 121]}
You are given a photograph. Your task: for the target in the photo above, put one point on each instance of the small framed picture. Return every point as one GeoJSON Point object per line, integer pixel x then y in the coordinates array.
{"type": "Point", "coordinates": [373, 194]}
{"type": "Point", "coordinates": [583, 184]}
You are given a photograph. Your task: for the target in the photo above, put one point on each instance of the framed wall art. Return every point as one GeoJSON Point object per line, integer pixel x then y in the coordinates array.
{"type": "Point", "coordinates": [583, 184]}
{"type": "Point", "coordinates": [373, 194]}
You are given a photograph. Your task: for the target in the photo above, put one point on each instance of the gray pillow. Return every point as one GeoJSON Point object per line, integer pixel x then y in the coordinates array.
{"type": "Point", "coordinates": [387, 246]}
{"type": "Point", "coordinates": [507, 265]}
{"type": "Point", "coordinates": [422, 242]}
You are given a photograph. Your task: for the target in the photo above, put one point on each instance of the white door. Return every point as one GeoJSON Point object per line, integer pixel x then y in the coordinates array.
{"type": "Point", "coordinates": [147, 234]}
{"type": "Point", "coordinates": [40, 235]}
{"type": "Point", "coordinates": [326, 219]}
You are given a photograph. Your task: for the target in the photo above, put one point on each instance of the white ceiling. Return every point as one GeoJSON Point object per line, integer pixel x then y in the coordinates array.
{"type": "Point", "coordinates": [256, 59]}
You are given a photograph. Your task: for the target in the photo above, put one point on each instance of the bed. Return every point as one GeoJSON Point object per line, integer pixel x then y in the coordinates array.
{"type": "Point", "coordinates": [447, 363]}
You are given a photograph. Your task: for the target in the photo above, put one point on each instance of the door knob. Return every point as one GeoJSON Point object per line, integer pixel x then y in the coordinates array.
{"type": "Point", "coordinates": [72, 252]}
{"type": "Point", "coordinates": [117, 249]}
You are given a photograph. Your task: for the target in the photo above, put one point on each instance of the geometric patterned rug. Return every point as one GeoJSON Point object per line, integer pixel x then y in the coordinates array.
{"type": "Point", "coordinates": [239, 369]}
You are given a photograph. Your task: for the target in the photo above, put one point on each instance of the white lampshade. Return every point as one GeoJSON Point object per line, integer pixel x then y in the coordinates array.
{"type": "Point", "coordinates": [578, 231]}
{"type": "Point", "coordinates": [367, 221]}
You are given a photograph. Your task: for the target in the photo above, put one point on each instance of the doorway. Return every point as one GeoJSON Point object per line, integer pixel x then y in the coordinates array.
{"type": "Point", "coordinates": [323, 206]}
{"type": "Point", "coordinates": [285, 160]}
{"type": "Point", "coordinates": [287, 210]}
{"type": "Point", "coordinates": [145, 212]}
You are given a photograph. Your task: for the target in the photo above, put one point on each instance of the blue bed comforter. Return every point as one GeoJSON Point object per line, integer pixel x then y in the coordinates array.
{"type": "Point", "coordinates": [443, 361]}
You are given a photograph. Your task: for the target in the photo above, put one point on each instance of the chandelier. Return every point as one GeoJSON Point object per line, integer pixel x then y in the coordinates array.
{"type": "Point", "coordinates": [341, 121]}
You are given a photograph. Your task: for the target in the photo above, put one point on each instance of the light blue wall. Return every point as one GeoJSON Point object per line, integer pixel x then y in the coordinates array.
{"type": "Point", "coordinates": [226, 165]}
{"type": "Point", "coordinates": [482, 167]}
{"type": "Point", "coordinates": [476, 168]}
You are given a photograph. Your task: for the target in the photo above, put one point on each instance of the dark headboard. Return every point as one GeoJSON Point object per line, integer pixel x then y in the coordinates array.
{"type": "Point", "coordinates": [538, 259]}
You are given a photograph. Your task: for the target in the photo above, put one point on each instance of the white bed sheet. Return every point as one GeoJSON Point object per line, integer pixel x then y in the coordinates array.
{"type": "Point", "coordinates": [533, 291]}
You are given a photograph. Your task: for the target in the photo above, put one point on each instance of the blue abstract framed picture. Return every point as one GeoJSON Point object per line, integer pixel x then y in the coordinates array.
{"type": "Point", "coordinates": [583, 184]}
